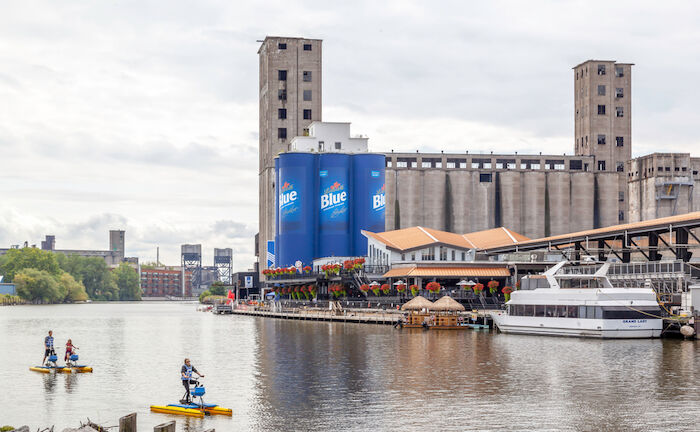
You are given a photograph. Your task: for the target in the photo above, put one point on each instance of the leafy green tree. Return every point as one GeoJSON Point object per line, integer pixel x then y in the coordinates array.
{"type": "Point", "coordinates": [203, 295]}
{"type": "Point", "coordinates": [75, 291]}
{"type": "Point", "coordinates": [17, 260]}
{"type": "Point", "coordinates": [98, 280]}
{"type": "Point", "coordinates": [127, 280]}
{"type": "Point", "coordinates": [217, 288]}
{"type": "Point", "coordinates": [39, 285]}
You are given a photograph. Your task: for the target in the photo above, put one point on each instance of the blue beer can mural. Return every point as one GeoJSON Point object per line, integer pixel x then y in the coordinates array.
{"type": "Point", "coordinates": [295, 209]}
{"type": "Point", "coordinates": [334, 205]}
{"type": "Point", "coordinates": [369, 200]}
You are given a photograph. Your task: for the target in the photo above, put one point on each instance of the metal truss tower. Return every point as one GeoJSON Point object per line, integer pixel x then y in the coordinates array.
{"type": "Point", "coordinates": [223, 262]}
{"type": "Point", "coordinates": [192, 262]}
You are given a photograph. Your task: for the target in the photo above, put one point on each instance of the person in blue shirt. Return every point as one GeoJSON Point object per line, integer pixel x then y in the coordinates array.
{"type": "Point", "coordinates": [48, 346]}
{"type": "Point", "coordinates": [186, 377]}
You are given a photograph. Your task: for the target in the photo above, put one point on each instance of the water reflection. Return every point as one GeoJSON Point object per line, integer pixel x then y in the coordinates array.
{"type": "Point", "coordinates": [296, 375]}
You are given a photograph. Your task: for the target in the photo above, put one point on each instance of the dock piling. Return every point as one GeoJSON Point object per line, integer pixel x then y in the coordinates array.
{"type": "Point", "coordinates": [165, 427]}
{"type": "Point", "coordinates": [128, 423]}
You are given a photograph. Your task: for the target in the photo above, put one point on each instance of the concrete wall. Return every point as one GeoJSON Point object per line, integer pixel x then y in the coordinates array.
{"type": "Point", "coordinates": [533, 202]}
{"type": "Point", "coordinates": [662, 184]}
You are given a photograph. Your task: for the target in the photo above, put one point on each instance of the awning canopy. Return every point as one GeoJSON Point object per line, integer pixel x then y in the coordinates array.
{"type": "Point", "coordinates": [416, 271]}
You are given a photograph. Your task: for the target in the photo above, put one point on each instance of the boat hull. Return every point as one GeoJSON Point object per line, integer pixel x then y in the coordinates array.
{"type": "Point", "coordinates": [586, 328]}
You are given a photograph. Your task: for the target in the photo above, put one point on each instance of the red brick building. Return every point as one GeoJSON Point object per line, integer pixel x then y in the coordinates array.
{"type": "Point", "coordinates": [159, 282]}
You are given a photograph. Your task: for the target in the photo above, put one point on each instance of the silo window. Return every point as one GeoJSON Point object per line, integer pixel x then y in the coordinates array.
{"type": "Point", "coordinates": [307, 47]}
{"type": "Point", "coordinates": [307, 114]}
{"type": "Point", "coordinates": [601, 109]}
{"type": "Point", "coordinates": [620, 141]}
{"type": "Point", "coordinates": [601, 90]}
{"type": "Point", "coordinates": [619, 92]}
{"type": "Point", "coordinates": [601, 139]}
{"type": "Point", "coordinates": [282, 46]}
{"type": "Point", "coordinates": [485, 177]}
{"type": "Point", "coordinates": [575, 164]}
{"type": "Point", "coordinates": [282, 113]}
{"type": "Point", "coordinates": [601, 165]}
{"type": "Point", "coordinates": [620, 166]}
{"type": "Point", "coordinates": [282, 133]}
{"type": "Point", "coordinates": [601, 69]}
{"type": "Point", "coordinates": [338, 145]}
{"type": "Point", "coordinates": [282, 75]}
{"type": "Point", "coordinates": [619, 72]}
{"type": "Point", "coordinates": [307, 95]}
{"type": "Point", "coordinates": [307, 76]}
{"type": "Point", "coordinates": [619, 112]}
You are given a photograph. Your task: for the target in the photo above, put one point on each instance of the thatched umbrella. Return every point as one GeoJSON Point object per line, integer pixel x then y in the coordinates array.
{"type": "Point", "coordinates": [447, 303]}
{"type": "Point", "coordinates": [418, 303]}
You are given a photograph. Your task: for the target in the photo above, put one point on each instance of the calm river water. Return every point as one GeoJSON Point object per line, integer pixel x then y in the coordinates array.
{"type": "Point", "coordinates": [313, 376]}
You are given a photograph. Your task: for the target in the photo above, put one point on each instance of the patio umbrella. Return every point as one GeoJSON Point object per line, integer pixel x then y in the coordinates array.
{"type": "Point", "coordinates": [399, 282]}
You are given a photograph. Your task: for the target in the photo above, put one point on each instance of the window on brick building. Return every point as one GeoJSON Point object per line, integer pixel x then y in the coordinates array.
{"type": "Point", "coordinates": [601, 165]}
{"type": "Point", "coordinates": [307, 47]}
{"type": "Point", "coordinates": [619, 71]}
{"type": "Point", "coordinates": [307, 114]}
{"type": "Point", "coordinates": [620, 141]}
{"type": "Point", "coordinates": [282, 133]}
{"type": "Point", "coordinates": [601, 109]}
{"type": "Point", "coordinates": [485, 178]}
{"type": "Point", "coordinates": [601, 139]}
{"type": "Point", "coordinates": [620, 167]}
{"type": "Point", "coordinates": [282, 75]}
{"type": "Point", "coordinates": [619, 92]}
{"type": "Point", "coordinates": [282, 46]}
{"type": "Point", "coordinates": [619, 112]}
{"type": "Point", "coordinates": [282, 113]}
{"type": "Point", "coordinates": [601, 69]}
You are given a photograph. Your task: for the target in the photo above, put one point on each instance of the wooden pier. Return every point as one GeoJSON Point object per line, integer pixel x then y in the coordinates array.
{"type": "Point", "coordinates": [348, 316]}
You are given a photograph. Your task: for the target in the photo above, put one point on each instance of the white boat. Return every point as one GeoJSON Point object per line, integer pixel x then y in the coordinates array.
{"type": "Point", "coordinates": [582, 305]}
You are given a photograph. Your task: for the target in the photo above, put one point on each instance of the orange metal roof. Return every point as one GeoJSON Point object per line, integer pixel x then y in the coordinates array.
{"type": "Point", "coordinates": [418, 237]}
{"type": "Point", "coordinates": [416, 271]}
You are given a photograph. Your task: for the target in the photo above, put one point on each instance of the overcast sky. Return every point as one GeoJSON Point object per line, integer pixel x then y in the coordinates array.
{"type": "Point", "coordinates": [143, 115]}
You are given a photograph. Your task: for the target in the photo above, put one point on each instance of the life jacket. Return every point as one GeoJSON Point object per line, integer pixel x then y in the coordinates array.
{"type": "Point", "coordinates": [48, 342]}
{"type": "Point", "coordinates": [188, 373]}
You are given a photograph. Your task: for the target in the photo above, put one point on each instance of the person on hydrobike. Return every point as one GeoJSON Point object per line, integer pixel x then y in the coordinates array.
{"type": "Point", "coordinates": [48, 347]}
{"type": "Point", "coordinates": [69, 350]}
{"type": "Point", "coordinates": [186, 377]}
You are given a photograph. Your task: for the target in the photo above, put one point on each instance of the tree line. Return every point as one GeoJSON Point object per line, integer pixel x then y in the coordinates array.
{"type": "Point", "coordinates": [47, 277]}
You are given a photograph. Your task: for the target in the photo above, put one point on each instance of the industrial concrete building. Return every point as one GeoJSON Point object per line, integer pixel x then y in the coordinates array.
{"type": "Point", "coordinates": [662, 184]}
{"type": "Point", "coordinates": [290, 99]}
{"type": "Point", "coordinates": [539, 195]}
{"type": "Point", "coordinates": [113, 257]}
{"type": "Point", "coordinates": [536, 195]}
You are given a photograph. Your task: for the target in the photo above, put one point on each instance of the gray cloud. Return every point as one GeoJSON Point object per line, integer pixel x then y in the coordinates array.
{"type": "Point", "coordinates": [145, 114]}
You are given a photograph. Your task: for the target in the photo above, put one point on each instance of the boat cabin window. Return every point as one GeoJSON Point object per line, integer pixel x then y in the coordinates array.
{"type": "Point", "coordinates": [580, 283]}
{"type": "Point", "coordinates": [586, 312]}
{"type": "Point", "coordinates": [617, 312]}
